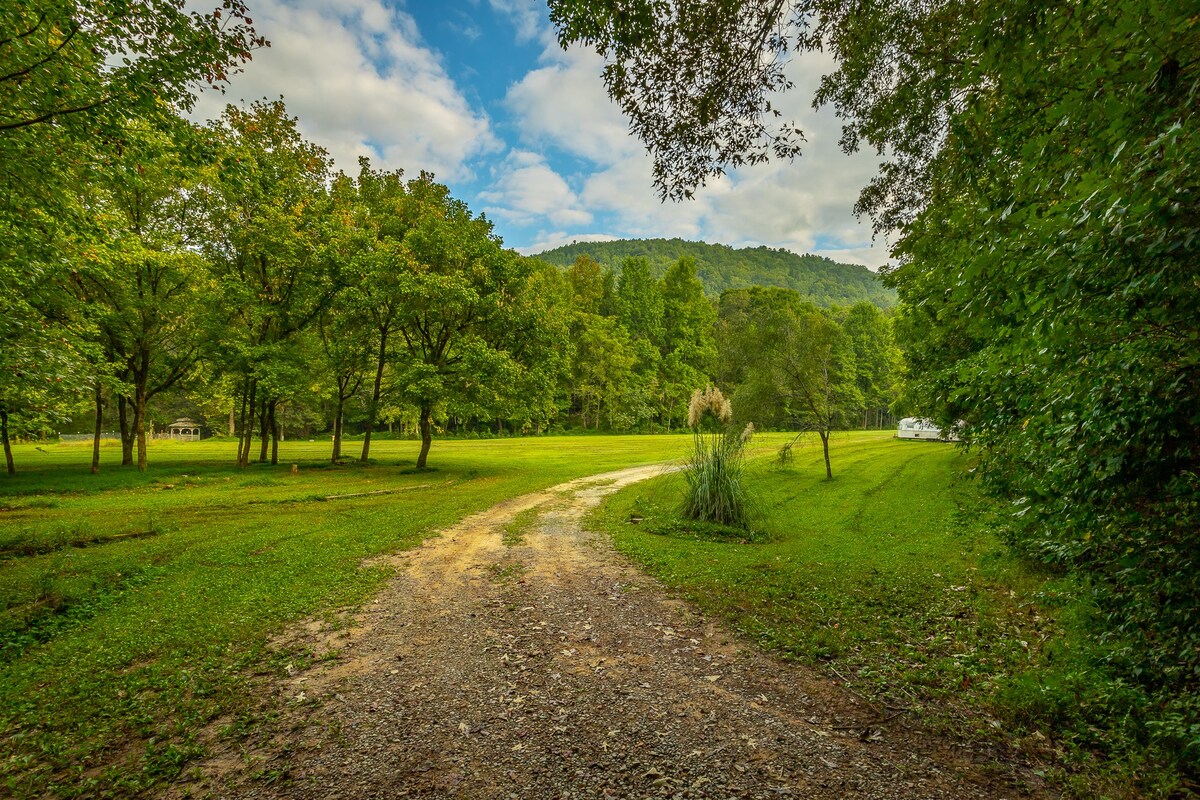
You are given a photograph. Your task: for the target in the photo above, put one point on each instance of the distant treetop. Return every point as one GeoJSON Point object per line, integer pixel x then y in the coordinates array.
{"type": "Point", "coordinates": [720, 267]}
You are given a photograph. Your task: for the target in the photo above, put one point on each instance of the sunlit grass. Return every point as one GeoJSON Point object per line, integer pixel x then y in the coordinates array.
{"type": "Point", "coordinates": [134, 607]}
{"type": "Point", "coordinates": [889, 575]}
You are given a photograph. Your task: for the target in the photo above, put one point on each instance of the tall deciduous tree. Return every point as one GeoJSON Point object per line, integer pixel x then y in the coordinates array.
{"type": "Point", "coordinates": [465, 329]}
{"type": "Point", "coordinates": [265, 205]}
{"type": "Point", "coordinates": [640, 311]}
{"type": "Point", "coordinates": [689, 348]}
{"type": "Point", "coordinates": [546, 346]}
{"type": "Point", "coordinates": [346, 346]}
{"type": "Point", "coordinates": [72, 75]}
{"type": "Point", "coordinates": [148, 291]}
{"type": "Point", "coordinates": [799, 365]}
{"type": "Point", "coordinates": [603, 371]}
{"type": "Point", "coordinates": [876, 360]}
{"type": "Point", "coordinates": [383, 211]}
{"type": "Point", "coordinates": [586, 279]}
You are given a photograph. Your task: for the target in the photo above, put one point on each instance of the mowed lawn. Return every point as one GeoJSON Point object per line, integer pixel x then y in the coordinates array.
{"type": "Point", "coordinates": [890, 576]}
{"type": "Point", "coordinates": [136, 607]}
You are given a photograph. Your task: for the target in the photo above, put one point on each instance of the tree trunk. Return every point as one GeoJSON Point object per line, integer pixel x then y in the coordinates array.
{"type": "Point", "coordinates": [241, 430]}
{"type": "Point", "coordinates": [127, 436]}
{"type": "Point", "coordinates": [99, 429]}
{"type": "Point", "coordinates": [373, 409]}
{"type": "Point", "coordinates": [337, 432]}
{"type": "Point", "coordinates": [8, 459]}
{"type": "Point", "coordinates": [232, 426]}
{"type": "Point", "coordinates": [139, 425]}
{"type": "Point", "coordinates": [825, 444]}
{"type": "Point", "coordinates": [247, 434]}
{"type": "Point", "coordinates": [275, 433]}
{"type": "Point", "coordinates": [426, 434]}
{"type": "Point", "coordinates": [264, 432]}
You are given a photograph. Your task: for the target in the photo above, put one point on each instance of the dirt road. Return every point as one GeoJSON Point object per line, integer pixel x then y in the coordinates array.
{"type": "Point", "coordinates": [551, 668]}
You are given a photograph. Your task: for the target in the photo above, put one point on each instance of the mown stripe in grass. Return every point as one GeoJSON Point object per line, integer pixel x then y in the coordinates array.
{"type": "Point", "coordinates": [876, 573]}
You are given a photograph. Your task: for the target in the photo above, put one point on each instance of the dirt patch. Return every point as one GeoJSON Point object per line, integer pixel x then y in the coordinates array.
{"type": "Point", "coordinates": [553, 668]}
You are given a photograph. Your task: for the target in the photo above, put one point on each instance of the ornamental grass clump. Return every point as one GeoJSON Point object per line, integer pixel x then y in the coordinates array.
{"type": "Point", "coordinates": [713, 471]}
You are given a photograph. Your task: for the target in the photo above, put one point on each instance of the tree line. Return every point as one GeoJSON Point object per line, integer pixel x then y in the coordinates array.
{"type": "Point", "coordinates": [149, 263]}
{"type": "Point", "coordinates": [226, 267]}
{"type": "Point", "coordinates": [720, 267]}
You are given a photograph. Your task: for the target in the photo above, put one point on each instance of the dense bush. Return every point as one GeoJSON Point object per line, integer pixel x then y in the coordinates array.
{"type": "Point", "coordinates": [1050, 301]}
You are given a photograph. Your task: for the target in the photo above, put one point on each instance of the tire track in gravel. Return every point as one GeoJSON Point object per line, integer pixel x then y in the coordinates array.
{"type": "Point", "coordinates": [555, 669]}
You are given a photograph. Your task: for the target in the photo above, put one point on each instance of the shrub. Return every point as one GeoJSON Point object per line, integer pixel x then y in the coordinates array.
{"type": "Point", "coordinates": [713, 471]}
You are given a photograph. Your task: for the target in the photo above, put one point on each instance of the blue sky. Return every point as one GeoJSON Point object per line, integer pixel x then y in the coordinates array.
{"type": "Point", "coordinates": [479, 93]}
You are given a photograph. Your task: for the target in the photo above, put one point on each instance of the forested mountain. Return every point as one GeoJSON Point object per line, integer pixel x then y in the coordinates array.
{"type": "Point", "coordinates": [721, 267]}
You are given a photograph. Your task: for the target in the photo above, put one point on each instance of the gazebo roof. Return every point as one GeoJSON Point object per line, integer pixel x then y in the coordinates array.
{"type": "Point", "coordinates": [184, 422]}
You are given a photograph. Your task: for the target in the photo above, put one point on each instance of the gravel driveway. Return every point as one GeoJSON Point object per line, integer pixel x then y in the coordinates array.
{"type": "Point", "coordinates": [552, 668]}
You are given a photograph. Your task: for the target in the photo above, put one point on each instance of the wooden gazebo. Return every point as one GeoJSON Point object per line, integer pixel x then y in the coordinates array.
{"type": "Point", "coordinates": [184, 429]}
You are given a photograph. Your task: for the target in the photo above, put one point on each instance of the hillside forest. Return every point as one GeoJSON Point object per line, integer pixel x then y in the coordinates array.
{"type": "Point", "coordinates": [720, 267]}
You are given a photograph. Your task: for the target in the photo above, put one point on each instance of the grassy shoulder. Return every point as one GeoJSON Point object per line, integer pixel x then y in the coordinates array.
{"type": "Point", "coordinates": [136, 607]}
{"type": "Point", "coordinates": [891, 578]}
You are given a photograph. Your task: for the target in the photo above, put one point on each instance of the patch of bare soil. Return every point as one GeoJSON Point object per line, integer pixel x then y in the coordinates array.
{"type": "Point", "coordinates": [554, 669]}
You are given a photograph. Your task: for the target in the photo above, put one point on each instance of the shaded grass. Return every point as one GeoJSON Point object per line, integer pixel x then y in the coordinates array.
{"type": "Point", "coordinates": [114, 656]}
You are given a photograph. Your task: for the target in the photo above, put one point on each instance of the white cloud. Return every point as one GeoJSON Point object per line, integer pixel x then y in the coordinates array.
{"type": "Point", "coordinates": [805, 205]}
{"type": "Point", "coordinates": [361, 83]}
{"type": "Point", "coordinates": [563, 104]}
{"type": "Point", "coordinates": [871, 256]}
{"type": "Point", "coordinates": [527, 191]}
{"type": "Point", "coordinates": [529, 17]}
{"type": "Point", "coordinates": [624, 191]}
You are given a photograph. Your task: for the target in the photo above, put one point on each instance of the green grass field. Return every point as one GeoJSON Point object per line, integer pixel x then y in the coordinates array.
{"type": "Point", "coordinates": [135, 607]}
{"type": "Point", "coordinates": [889, 573]}
{"type": "Point", "coordinates": [892, 579]}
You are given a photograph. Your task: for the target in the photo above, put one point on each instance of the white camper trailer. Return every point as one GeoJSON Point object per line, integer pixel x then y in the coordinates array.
{"type": "Point", "coordinates": [921, 428]}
